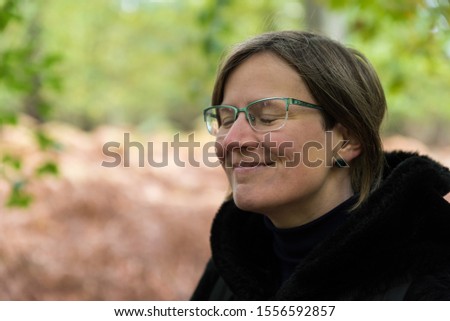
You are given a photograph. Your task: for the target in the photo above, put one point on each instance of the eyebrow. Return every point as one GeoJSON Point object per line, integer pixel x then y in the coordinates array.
{"type": "Point", "coordinates": [247, 101]}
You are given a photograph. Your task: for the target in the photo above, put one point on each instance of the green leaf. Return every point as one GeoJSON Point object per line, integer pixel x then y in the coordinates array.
{"type": "Point", "coordinates": [8, 118]}
{"type": "Point", "coordinates": [46, 142]}
{"type": "Point", "coordinates": [8, 12]}
{"type": "Point", "coordinates": [12, 161]}
{"type": "Point", "coordinates": [50, 60]}
{"type": "Point", "coordinates": [50, 168]}
{"type": "Point", "coordinates": [19, 197]}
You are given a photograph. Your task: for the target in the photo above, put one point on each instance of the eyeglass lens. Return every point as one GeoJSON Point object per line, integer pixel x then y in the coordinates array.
{"type": "Point", "coordinates": [263, 116]}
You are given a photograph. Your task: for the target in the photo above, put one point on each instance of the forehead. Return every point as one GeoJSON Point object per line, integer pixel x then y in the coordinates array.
{"type": "Point", "coordinates": [260, 76]}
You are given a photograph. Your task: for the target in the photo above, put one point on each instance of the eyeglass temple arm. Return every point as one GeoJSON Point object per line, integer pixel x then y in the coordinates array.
{"type": "Point", "coordinates": [304, 104]}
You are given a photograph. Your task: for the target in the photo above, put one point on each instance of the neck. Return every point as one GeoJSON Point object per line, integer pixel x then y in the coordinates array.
{"type": "Point", "coordinates": [292, 245]}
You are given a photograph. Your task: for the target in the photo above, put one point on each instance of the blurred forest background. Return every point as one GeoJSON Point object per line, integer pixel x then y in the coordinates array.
{"type": "Point", "coordinates": [75, 75]}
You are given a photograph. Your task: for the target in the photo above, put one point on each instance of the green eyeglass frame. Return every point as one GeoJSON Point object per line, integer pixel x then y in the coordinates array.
{"type": "Point", "coordinates": [288, 102]}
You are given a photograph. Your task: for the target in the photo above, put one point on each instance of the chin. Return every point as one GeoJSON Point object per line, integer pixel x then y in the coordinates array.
{"type": "Point", "coordinates": [250, 205]}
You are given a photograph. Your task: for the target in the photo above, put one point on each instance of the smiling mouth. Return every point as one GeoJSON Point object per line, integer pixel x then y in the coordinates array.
{"type": "Point", "coordinates": [244, 164]}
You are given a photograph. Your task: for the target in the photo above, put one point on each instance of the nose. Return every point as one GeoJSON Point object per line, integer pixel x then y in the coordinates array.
{"type": "Point", "coordinates": [240, 136]}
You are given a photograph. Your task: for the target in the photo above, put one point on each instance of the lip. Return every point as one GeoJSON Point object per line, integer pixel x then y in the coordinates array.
{"type": "Point", "coordinates": [249, 167]}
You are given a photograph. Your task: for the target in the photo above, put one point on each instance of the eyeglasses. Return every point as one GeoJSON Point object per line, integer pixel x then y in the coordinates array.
{"type": "Point", "coordinates": [264, 115]}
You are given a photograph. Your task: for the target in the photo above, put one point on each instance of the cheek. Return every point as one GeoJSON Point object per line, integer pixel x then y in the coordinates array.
{"type": "Point", "coordinates": [220, 150]}
{"type": "Point", "coordinates": [303, 148]}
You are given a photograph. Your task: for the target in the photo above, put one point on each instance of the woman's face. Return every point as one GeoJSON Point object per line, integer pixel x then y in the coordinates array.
{"type": "Point", "coordinates": [287, 174]}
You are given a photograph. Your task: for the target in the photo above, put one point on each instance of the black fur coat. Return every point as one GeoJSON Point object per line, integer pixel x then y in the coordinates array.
{"type": "Point", "coordinates": [396, 246]}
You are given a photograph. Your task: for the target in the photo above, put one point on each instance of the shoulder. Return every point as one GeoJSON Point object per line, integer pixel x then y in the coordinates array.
{"type": "Point", "coordinates": [206, 283]}
{"type": "Point", "coordinates": [431, 287]}
{"type": "Point", "coordinates": [416, 178]}
{"type": "Point", "coordinates": [212, 287]}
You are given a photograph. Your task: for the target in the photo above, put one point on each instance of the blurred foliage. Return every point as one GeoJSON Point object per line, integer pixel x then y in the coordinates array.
{"type": "Point", "coordinates": [408, 41]}
{"type": "Point", "coordinates": [152, 63]}
{"type": "Point", "coordinates": [149, 63]}
{"type": "Point", "coordinates": [26, 72]}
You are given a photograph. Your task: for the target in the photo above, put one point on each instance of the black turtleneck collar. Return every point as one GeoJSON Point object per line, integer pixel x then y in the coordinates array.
{"type": "Point", "coordinates": [292, 245]}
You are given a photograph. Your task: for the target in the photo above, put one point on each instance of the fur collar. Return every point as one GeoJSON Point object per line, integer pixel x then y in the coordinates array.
{"type": "Point", "coordinates": [402, 231]}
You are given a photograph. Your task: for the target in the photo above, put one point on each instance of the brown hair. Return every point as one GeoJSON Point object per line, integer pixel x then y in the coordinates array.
{"type": "Point", "coordinates": [341, 80]}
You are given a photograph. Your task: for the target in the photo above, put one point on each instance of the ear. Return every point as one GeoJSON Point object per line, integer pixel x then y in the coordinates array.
{"type": "Point", "coordinates": [350, 146]}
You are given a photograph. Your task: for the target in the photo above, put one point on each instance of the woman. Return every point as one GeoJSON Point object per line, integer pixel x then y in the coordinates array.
{"type": "Point", "coordinates": [317, 211]}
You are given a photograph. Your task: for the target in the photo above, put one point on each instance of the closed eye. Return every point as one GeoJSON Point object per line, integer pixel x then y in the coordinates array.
{"type": "Point", "coordinates": [227, 122]}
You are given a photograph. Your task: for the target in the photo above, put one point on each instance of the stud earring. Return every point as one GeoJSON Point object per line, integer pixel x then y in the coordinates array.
{"type": "Point", "coordinates": [339, 162]}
